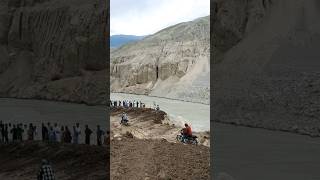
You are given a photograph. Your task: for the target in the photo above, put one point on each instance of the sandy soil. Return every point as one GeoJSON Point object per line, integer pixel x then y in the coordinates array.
{"type": "Point", "coordinates": [83, 162]}
{"type": "Point", "coordinates": [155, 159]}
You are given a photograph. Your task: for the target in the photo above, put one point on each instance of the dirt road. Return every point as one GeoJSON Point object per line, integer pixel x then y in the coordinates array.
{"type": "Point", "coordinates": [155, 159]}
{"type": "Point", "coordinates": [22, 161]}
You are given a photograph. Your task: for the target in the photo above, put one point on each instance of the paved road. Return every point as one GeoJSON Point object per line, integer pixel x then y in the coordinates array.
{"type": "Point", "coordinates": [257, 154]}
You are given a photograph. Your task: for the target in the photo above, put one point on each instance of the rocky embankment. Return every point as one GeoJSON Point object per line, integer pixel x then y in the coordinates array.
{"type": "Point", "coordinates": [172, 63]}
{"type": "Point", "coordinates": [22, 161]}
{"type": "Point", "coordinates": [54, 50]}
{"type": "Point", "coordinates": [266, 71]}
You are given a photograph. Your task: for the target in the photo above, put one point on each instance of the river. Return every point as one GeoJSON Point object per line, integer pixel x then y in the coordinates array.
{"type": "Point", "coordinates": [198, 115]}
{"type": "Point", "coordinates": [252, 153]}
{"type": "Point", "coordinates": [38, 111]}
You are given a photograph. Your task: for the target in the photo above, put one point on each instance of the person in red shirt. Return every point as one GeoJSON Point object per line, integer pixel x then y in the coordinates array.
{"type": "Point", "coordinates": [187, 132]}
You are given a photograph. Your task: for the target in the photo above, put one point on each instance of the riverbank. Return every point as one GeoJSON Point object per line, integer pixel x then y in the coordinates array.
{"type": "Point", "coordinates": [147, 123]}
{"type": "Point", "coordinates": [178, 111]}
{"type": "Point", "coordinates": [149, 95]}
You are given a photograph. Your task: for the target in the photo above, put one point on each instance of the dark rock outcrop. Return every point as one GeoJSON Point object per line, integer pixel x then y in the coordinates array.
{"type": "Point", "coordinates": [54, 50]}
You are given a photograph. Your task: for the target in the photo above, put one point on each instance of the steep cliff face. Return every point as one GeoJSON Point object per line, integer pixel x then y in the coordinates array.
{"type": "Point", "coordinates": [269, 75]}
{"type": "Point", "coordinates": [172, 63]}
{"type": "Point", "coordinates": [233, 20]}
{"type": "Point", "coordinates": [53, 49]}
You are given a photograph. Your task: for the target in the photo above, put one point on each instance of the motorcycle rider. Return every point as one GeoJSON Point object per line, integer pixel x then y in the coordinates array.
{"type": "Point", "coordinates": [124, 118]}
{"type": "Point", "coordinates": [186, 132]}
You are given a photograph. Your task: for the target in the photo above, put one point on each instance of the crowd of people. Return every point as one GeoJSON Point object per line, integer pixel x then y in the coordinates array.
{"type": "Point", "coordinates": [127, 103]}
{"type": "Point", "coordinates": [131, 104]}
{"type": "Point", "coordinates": [50, 133]}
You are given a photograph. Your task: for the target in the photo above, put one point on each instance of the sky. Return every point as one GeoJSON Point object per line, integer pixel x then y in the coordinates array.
{"type": "Point", "coordinates": [144, 17]}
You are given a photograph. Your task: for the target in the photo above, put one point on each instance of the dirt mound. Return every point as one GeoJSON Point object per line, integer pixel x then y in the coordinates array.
{"type": "Point", "coordinates": [69, 161]}
{"type": "Point", "coordinates": [158, 159]}
{"type": "Point", "coordinates": [144, 113]}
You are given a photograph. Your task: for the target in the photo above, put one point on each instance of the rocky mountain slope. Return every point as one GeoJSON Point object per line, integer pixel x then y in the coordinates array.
{"type": "Point", "coordinates": [53, 49]}
{"type": "Point", "coordinates": [172, 63]}
{"type": "Point", "coordinates": [121, 39]}
{"type": "Point", "coordinates": [266, 71]}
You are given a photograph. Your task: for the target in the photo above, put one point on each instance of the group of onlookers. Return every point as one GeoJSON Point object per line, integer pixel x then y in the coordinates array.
{"type": "Point", "coordinates": [127, 104]}
{"type": "Point", "coordinates": [131, 104]}
{"type": "Point", "coordinates": [19, 132]}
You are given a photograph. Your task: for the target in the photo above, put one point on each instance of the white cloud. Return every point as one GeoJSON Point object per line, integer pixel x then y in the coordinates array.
{"type": "Point", "coordinates": [143, 17]}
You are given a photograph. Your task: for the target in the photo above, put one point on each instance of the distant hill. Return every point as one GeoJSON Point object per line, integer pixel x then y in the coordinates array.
{"type": "Point", "coordinates": [119, 40]}
{"type": "Point", "coordinates": [172, 63]}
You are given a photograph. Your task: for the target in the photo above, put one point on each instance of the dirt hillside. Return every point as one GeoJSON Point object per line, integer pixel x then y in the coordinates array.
{"type": "Point", "coordinates": [155, 159]}
{"type": "Point", "coordinates": [148, 123]}
{"type": "Point", "coordinates": [22, 161]}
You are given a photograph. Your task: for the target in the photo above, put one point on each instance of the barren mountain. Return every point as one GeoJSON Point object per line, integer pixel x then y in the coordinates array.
{"type": "Point", "coordinates": [266, 71]}
{"type": "Point", "coordinates": [53, 49]}
{"type": "Point", "coordinates": [172, 63]}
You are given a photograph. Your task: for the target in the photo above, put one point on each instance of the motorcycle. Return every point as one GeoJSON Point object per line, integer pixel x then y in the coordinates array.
{"type": "Point", "coordinates": [124, 122]}
{"type": "Point", "coordinates": [187, 140]}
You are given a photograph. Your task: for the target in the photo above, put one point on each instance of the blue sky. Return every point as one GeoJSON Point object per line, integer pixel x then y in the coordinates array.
{"type": "Point", "coordinates": [143, 17]}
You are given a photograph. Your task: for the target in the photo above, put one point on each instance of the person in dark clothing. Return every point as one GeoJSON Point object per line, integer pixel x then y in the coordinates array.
{"type": "Point", "coordinates": [14, 133]}
{"type": "Point", "coordinates": [45, 136]}
{"type": "Point", "coordinates": [6, 135]}
{"type": "Point", "coordinates": [67, 135]}
{"type": "Point", "coordinates": [88, 133]}
{"type": "Point", "coordinates": [100, 133]}
{"type": "Point", "coordinates": [31, 132]}
{"type": "Point", "coordinates": [2, 131]}
{"type": "Point", "coordinates": [46, 171]}
{"type": "Point", "coordinates": [19, 132]}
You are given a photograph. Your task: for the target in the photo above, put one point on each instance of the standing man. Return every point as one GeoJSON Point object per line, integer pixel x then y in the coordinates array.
{"type": "Point", "coordinates": [46, 171]}
{"type": "Point", "coordinates": [31, 132]}
{"type": "Point", "coordinates": [56, 132]}
{"type": "Point", "coordinates": [100, 133]}
{"type": "Point", "coordinates": [6, 136]}
{"type": "Point", "coordinates": [78, 130]}
{"type": "Point", "coordinates": [44, 134]}
{"type": "Point", "coordinates": [88, 133]}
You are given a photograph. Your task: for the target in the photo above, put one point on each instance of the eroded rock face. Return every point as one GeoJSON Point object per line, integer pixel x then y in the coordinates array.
{"type": "Point", "coordinates": [269, 77]}
{"type": "Point", "coordinates": [172, 63]}
{"type": "Point", "coordinates": [53, 49]}
{"type": "Point", "coordinates": [232, 20]}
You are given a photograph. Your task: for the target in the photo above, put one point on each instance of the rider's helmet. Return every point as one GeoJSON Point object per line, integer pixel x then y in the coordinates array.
{"type": "Point", "coordinates": [186, 125]}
